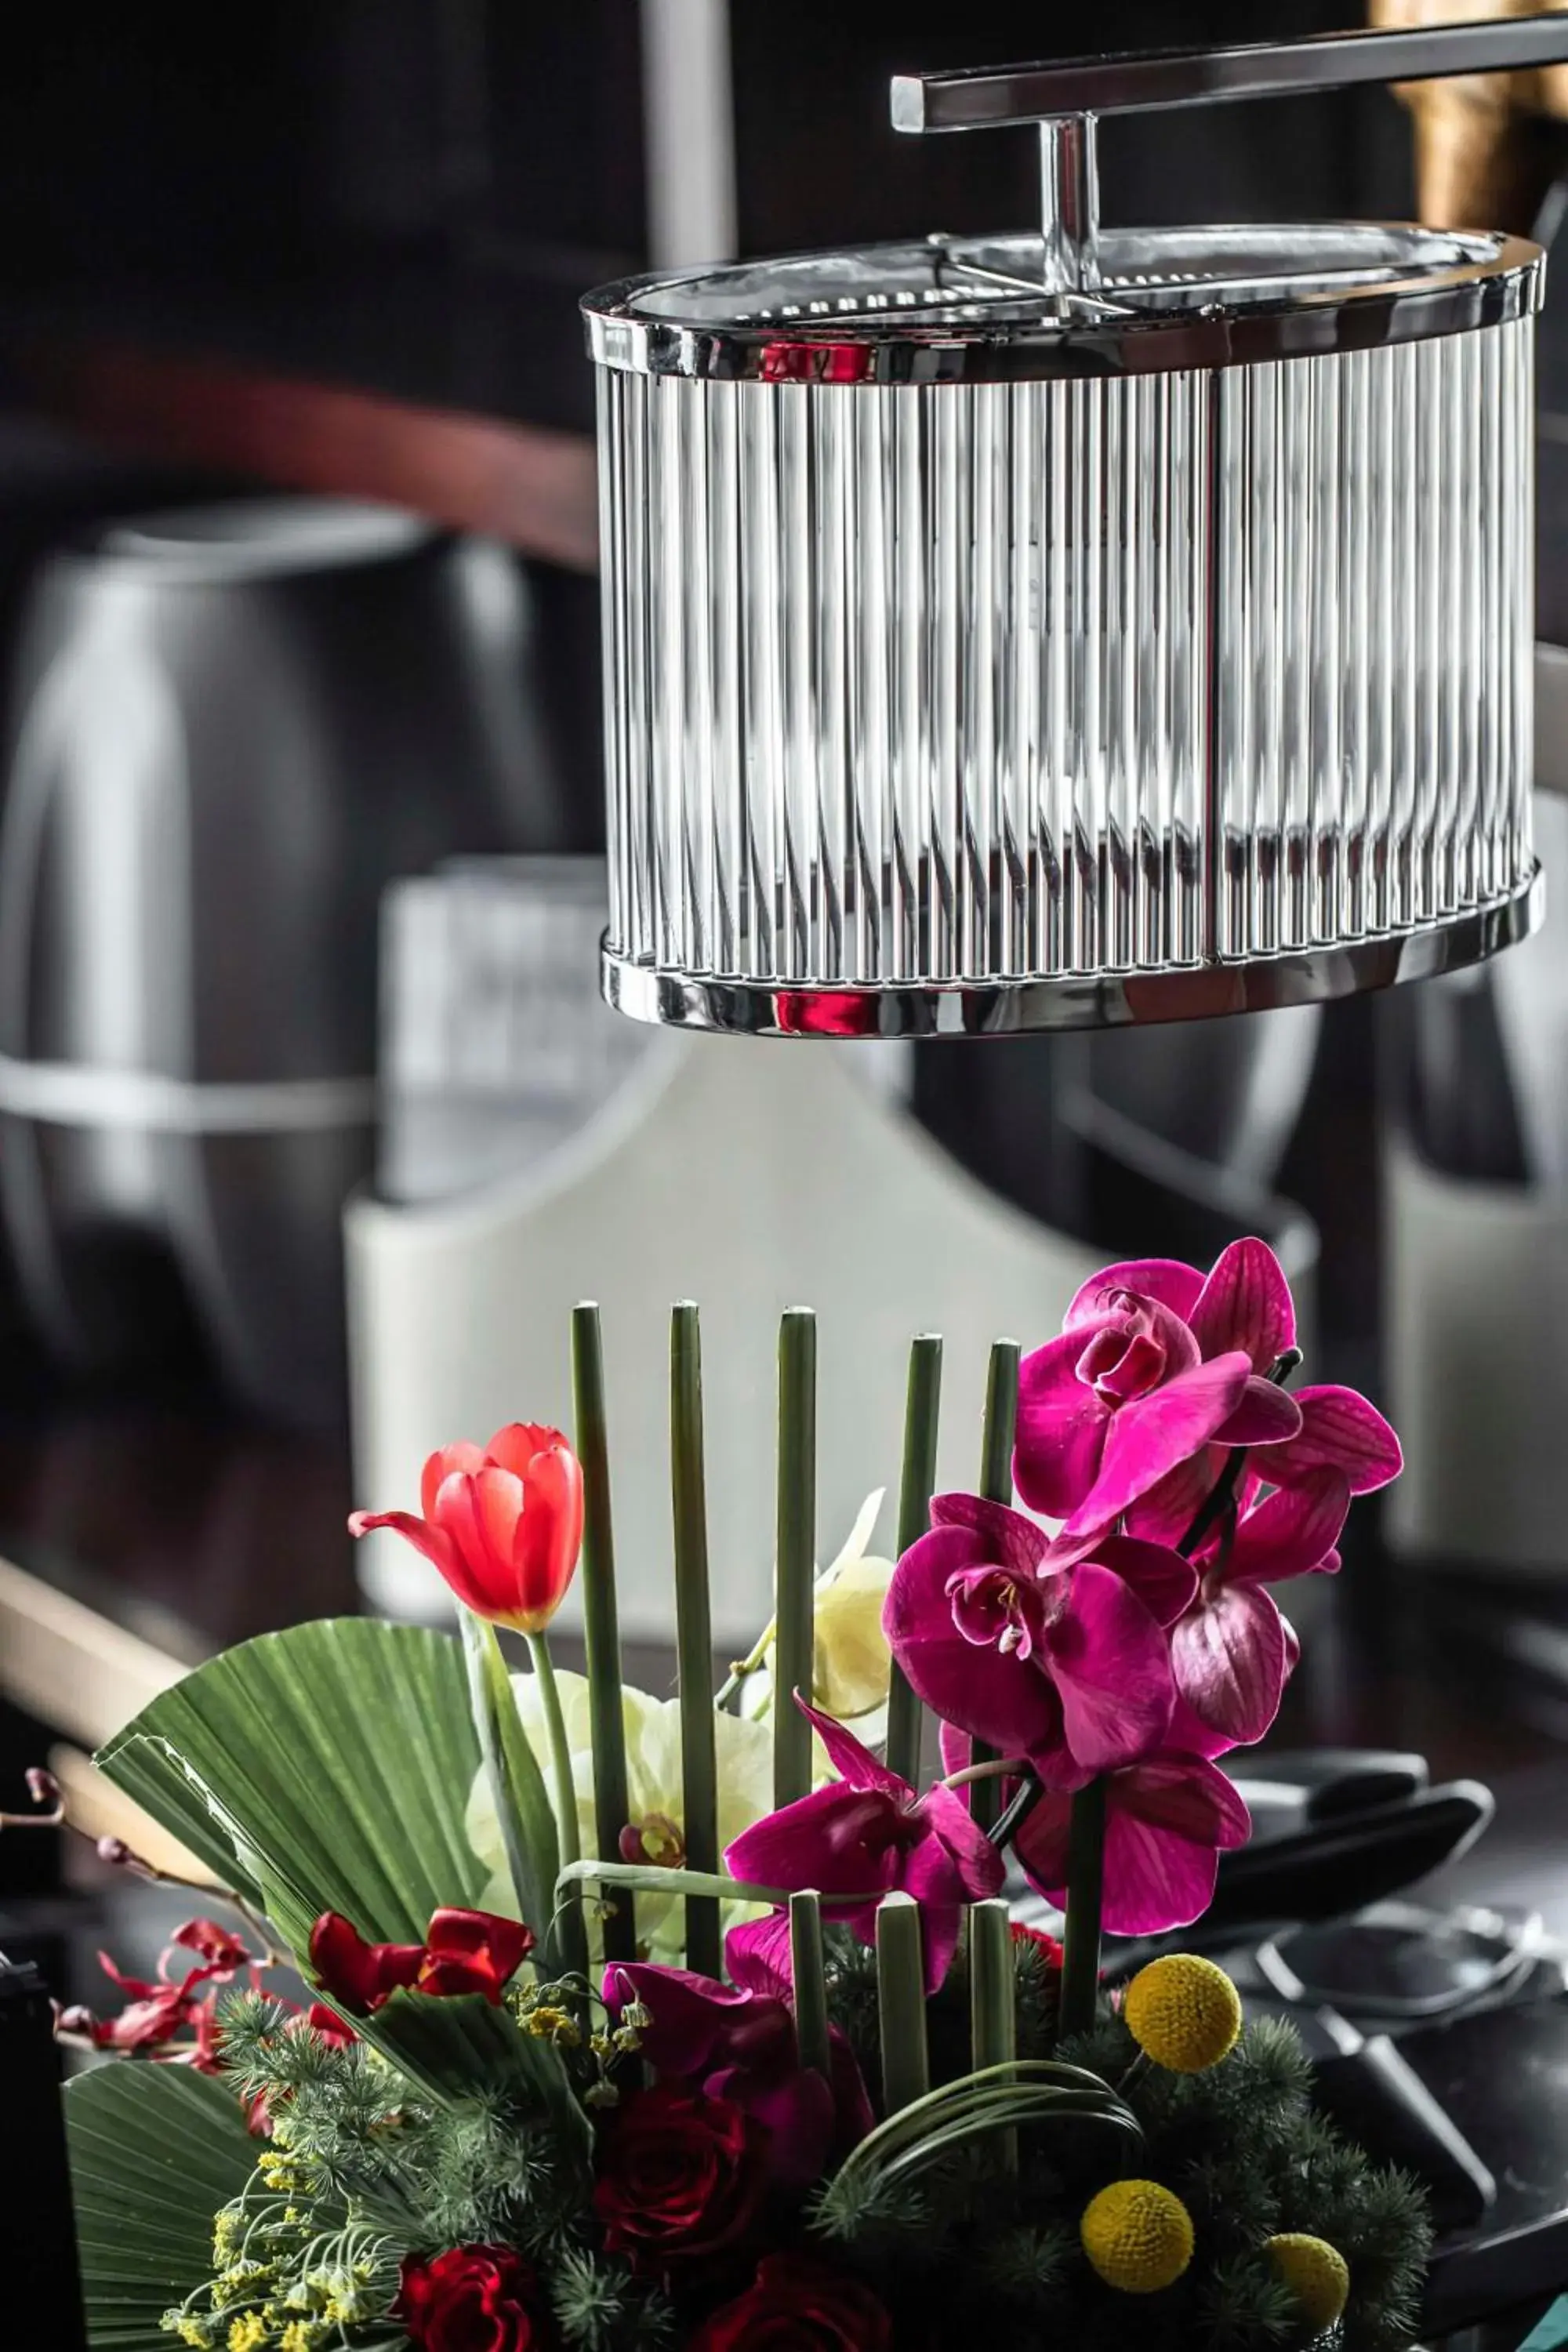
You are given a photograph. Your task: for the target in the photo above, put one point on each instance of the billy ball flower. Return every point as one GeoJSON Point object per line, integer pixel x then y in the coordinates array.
{"type": "Point", "coordinates": [1138, 2236]}
{"type": "Point", "coordinates": [1183, 2012]}
{"type": "Point", "coordinates": [502, 1522]}
{"type": "Point", "coordinates": [1316, 2273]}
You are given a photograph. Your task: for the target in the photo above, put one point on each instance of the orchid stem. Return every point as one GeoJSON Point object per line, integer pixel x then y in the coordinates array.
{"type": "Point", "coordinates": [996, 1767]}
{"type": "Point", "coordinates": [600, 1621]}
{"type": "Point", "coordinates": [1221, 1495]}
{"type": "Point", "coordinates": [795, 1599]}
{"type": "Point", "coordinates": [922, 1407]}
{"type": "Point", "coordinates": [1085, 1892]}
{"type": "Point", "coordinates": [693, 1632]}
{"type": "Point", "coordinates": [573, 1929]}
{"type": "Point", "coordinates": [997, 1433]}
{"type": "Point", "coordinates": [1003, 1831]}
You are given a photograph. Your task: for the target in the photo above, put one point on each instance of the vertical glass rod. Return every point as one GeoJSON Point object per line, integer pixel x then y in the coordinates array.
{"type": "Point", "coordinates": [1070, 204]}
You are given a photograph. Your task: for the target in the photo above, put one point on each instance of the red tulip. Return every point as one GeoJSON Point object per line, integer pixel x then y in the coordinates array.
{"type": "Point", "coordinates": [502, 1522]}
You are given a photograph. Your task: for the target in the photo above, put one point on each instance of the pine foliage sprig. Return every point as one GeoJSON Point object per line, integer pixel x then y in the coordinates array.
{"type": "Point", "coordinates": [602, 2307]}
{"type": "Point", "coordinates": [1243, 2307]}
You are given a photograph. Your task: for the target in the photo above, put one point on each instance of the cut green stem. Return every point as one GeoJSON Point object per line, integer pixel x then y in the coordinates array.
{"type": "Point", "coordinates": [795, 1554]}
{"type": "Point", "coordinates": [693, 1632]}
{"type": "Point", "coordinates": [810, 1984]}
{"type": "Point", "coordinates": [901, 2002]}
{"type": "Point", "coordinates": [993, 2007]}
{"type": "Point", "coordinates": [601, 1620]}
{"type": "Point", "coordinates": [1085, 1892]}
{"type": "Point", "coordinates": [922, 1406]}
{"type": "Point", "coordinates": [996, 1436]}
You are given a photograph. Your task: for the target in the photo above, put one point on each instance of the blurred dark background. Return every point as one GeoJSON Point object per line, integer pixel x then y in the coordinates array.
{"type": "Point", "coordinates": [297, 606]}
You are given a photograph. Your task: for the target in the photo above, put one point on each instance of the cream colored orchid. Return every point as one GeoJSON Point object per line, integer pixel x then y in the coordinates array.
{"type": "Point", "coordinates": [653, 1832]}
{"type": "Point", "coordinates": [851, 1662]}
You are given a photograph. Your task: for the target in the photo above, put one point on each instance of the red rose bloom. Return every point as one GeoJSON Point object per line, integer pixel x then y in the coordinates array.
{"type": "Point", "coordinates": [797, 2304]}
{"type": "Point", "coordinates": [679, 2176]}
{"type": "Point", "coordinates": [474, 2299]}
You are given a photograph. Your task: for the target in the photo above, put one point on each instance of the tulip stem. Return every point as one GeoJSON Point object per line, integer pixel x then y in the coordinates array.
{"type": "Point", "coordinates": [560, 1747]}
{"type": "Point", "coordinates": [794, 1570]}
{"type": "Point", "coordinates": [997, 1433]}
{"type": "Point", "coordinates": [693, 1632]}
{"type": "Point", "coordinates": [572, 1927]}
{"type": "Point", "coordinates": [1085, 1892]}
{"type": "Point", "coordinates": [601, 1622]}
{"type": "Point", "coordinates": [901, 2002]}
{"type": "Point", "coordinates": [922, 1406]}
{"type": "Point", "coordinates": [810, 1976]}
{"type": "Point", "coordinates": [523, 1810]}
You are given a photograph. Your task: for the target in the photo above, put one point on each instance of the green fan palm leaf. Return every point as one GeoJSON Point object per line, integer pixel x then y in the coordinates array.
{"type": "Point", "coordinates": [323, 1769]}
{"type": "Point", "coordinates": [155, 2152]}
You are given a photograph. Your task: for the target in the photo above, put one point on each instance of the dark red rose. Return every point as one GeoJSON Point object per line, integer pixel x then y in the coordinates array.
{"type": "Point", "coordinates": [465, 1951]}
{"type": "Point", "coordinates": [679, 2176]}
{"type": "Point", "coordinates": [796, 2304]}
{"type": "Point", "coordinates": [474, 2299]}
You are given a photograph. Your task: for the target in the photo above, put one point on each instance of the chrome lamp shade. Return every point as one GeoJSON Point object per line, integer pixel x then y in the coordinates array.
{"type": "Point", "coordinates": [1072, 627]}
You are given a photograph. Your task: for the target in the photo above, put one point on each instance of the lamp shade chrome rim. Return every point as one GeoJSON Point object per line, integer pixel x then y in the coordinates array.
{"type": "Point", "coordinates": [1019, 1007]}
{"type": "Point", "coordinates": [965, 310]}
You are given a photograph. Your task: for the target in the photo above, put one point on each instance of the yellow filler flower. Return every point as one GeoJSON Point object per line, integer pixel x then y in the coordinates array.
{"type": "Point", "coordinates": [1138, 2236]}
{"type": "Point", "coordinates": [1183, 2012]}
{"type": "Point", "coordinates": [1316, 2273]}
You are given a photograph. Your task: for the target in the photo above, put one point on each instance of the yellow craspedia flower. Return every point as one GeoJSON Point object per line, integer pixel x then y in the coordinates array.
{"type": "Point", "coordinates": [1316, 2274]}
{"type": "Point", "coordinates": [1138, 2236]}
{"type": "Point", "coordinates": [1183, 2012]}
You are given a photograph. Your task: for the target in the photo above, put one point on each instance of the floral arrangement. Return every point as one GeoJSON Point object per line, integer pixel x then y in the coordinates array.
{"type": "Point", "coordinates": [707, 2022]}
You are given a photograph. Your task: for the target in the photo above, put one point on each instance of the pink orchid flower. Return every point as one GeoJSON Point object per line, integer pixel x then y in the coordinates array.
{"type": "Point", "coordinates": [1232, 1652]}
{"type": "Point", "coordinates": [1155, 1363]}
{"type": "Point", "coordinates": [738, 2043]}
{"type": "Point", "coordinates": [861, 1837]}
{"type": "Point", "coordinates": [1167, 1821]}
{"type": "Point", "coordinates": [1033, 1649]}
{"type": "Point", "coordinates": [1244, 1303]}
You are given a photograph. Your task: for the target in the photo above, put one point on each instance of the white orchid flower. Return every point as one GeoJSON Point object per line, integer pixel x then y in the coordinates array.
{"type": "Point", "coordinates": [655, 1830]}
{"type": "Point", "coordinates": [851, 1662]}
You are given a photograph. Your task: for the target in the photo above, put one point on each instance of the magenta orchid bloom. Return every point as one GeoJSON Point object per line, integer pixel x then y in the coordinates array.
{"type": "Point", "coordinates": [1232, 1652]}
{"type": "Point", "coordinates": [1167, 1821]}
{"type": "Point", "coordinates": [1243, 1305]}
{"type": "Point", "coordinates": [738, 2043]}
{"type": "Point", "coordinates": [1155, 1363]}
{"type": "Point", "coordinates": [1033, 1649]}
{"type": "Point", "coordinates": [861, 1837]}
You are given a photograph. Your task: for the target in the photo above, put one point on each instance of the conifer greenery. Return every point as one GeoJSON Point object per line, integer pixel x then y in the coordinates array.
{"type": "Point", "coordinates": [1240, 2145]}
{"type": "Point", "coordinates": [360, 2172]}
